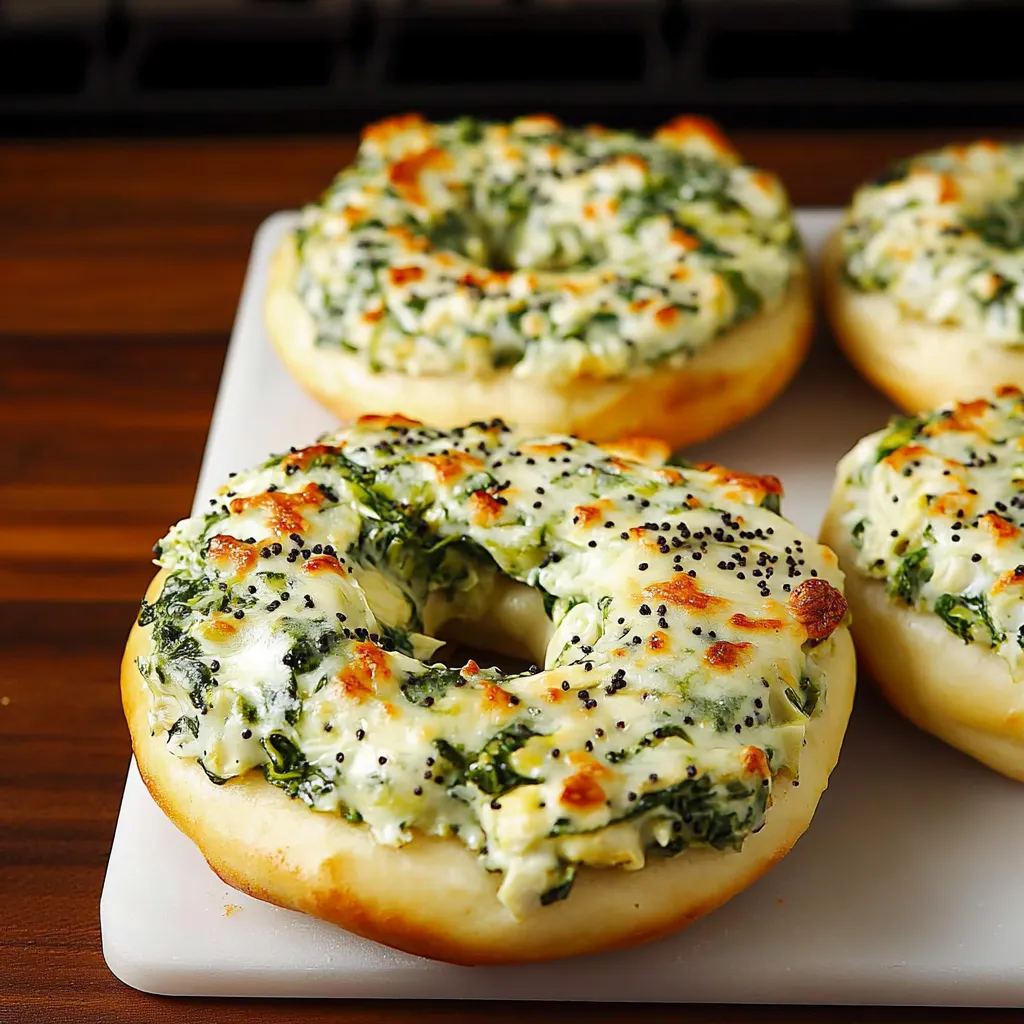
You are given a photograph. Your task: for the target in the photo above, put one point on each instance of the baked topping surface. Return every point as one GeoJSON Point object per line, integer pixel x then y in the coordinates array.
{"type": "Point", "coordinates": [943, 235]}
{"type": "Point", "coordinates": [470, 246]}
{"type": "Point", "coordinates": [936, 512]}
{"type": "Point", "coordinates": [680, 655]}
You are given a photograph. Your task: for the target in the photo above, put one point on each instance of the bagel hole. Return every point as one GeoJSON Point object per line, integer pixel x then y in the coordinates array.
{"type": "Point", "coordinates": [498, 248]}
{"type": "Point", "coordinates": [512, 633]}
{"type": "Point", "coordinates": [458, 650]}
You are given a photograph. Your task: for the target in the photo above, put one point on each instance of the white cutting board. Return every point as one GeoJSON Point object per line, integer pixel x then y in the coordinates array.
{"type": "Point", "coordinates": [908, 887]}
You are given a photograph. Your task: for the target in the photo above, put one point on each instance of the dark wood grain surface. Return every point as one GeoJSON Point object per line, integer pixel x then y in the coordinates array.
{"type": "Point", "coordinates": [120, 268]}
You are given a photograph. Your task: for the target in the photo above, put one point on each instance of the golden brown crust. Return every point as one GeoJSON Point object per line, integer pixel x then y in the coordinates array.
{"type": "Point", "coordinates": [431, 897]}
{"type": "Point", "coordinates": [918, 365]}
{"type": "Point", "coordinates": [732, 379]}
{"type": "Point", "coordinates": [962, 693]}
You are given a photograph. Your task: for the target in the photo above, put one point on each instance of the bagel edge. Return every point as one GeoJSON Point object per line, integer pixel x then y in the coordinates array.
{"type": "Point", "coordinates": [961, 693]}
{"type": "Point", "coordinates": [916, 364]}
{"type": "Point", "coordinates": [431, 897]}
{"type": "Point", "coordinates": [728, 381]}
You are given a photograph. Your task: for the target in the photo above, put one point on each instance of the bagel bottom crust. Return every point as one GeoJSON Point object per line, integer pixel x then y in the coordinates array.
{"type": "Point", "coordinates": [725, 383]}
{"type": "Point", "coordinates": [962, 693]}
{"type": "Point", "coordinates": [916, 364]}
{"type": "Point", "coordinates": [432, 897]}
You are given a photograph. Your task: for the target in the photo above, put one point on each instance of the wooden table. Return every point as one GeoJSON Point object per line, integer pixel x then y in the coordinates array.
{"type": "Point", "coordinates": [120, 268]}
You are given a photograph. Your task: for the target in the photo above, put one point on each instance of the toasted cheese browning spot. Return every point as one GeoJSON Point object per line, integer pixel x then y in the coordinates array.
{"type": "Point", "coordinates": [755, 762]}
{"type": "Point", "coordinates": [400, 276]}
{"type": "Point", "coordinates": [395, 420]}
{"type": "Point", "coordinates": [589, 515]}
{"type": "Point", "coordinates": [323, 563]}
{"type": "Point", "coordinates": [741, 621]}
{"type": "Point", "coordinates": [965, 417]}
{"type": "Point", "coordinates": [364, 675]}
{"type": "Point", "coordinates": [304, 457]}
{"type": "Point", "coordinates": [1013, 578]}
{"type": "Point", "coordinates": [407, 175]}
{"type": "Point", "coordinates": [1000, 528]}
{"type": "Point", "coordinates": [658, 642]}
{"type": "Point", "coordinates": [218, 629]}
{"type": "Point", "coordinates": [818, 607]}
{"type": "Point", "coordinates": [746, 482]}
{"type": "Point", "coordinates": [582, 792]}
{"type": "Point", "coordinates": [452, 466]}
{"type": "Point", "coordinates": [685, 129]}
{"type": "Point", "coordinates": [908, 453]}
{"type": "Point", "coordinates": [955, 504]}
{"type": "Point", "coordinates": [683, 592]}
{"type": "Point", "coordinates": [498, 697]}
{"type": "Point", "coordinates": [282, 507]}
{"type": "Point", "coordinates": [382, 131]}
{"type": "Point", "coordinates": [724, 654]}
{"type": "Point", "coordinates": [228, 553]}
{"type": "Point", "coordinates": [485, 508]}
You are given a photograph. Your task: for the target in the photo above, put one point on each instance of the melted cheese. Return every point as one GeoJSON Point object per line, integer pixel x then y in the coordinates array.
{"type": "Point", "coordinates": [620, 252]}
{"type": "Point", "coordinates": [943, 235]}
{"type": "Point", "coordinates": [936, 505]}
{"type": "Point", "coordinates": [678, 668]}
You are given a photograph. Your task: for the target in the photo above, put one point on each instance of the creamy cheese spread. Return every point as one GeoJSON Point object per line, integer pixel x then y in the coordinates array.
{"type": "Point", "coordinates": [680, 658]}
{"type": "Point", "coordinates": [465, 247]}
{"type": "Point", "coordinates": [942, 234]}
{"type": "Point", "coordinates": [935, 510]}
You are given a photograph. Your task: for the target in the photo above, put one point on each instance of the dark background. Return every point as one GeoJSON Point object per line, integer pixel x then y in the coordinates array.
{"type": "Point", "coordinates": [187, 67]}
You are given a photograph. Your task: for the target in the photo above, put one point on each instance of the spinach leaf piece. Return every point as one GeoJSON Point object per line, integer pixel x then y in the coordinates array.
{"type": "Point", "coordinates": [288, 769]}
{"type": "Point", "coordinates": [896, 171]}
{"type": "Point", "coordinates": [706, 814]}
{"type": "Point", "coordinates": [1001, 223]}
{"type": "Point", "coordinates": [189, 674]}
{"type": "Point", "coordinates": [961, 613]}
{"type": "Point", "coordinates": [678, 459]}
{"type": "Point", "coordinates": [452, 754]}
{"type": "Point", "coordinates": [430, 686]}
{"type": "Point", "coordinates": [748, 301]}
{"type": "Point", "coordinates": [910, 576]}
{"type": "Point", "coordinates": [311, 642]}
{"type": "Point", "coordinates": [720, 711]}
{"type": "Point", "coordinates": [806, 700]}
{"type": "Point", "coordinates": [217, 780]}
{"type": "Point", "coordinates": [902, 430]}
{"type": "Point", "coordinates": [663, 732]}
{"type": "Point", "coordinates": [561, 889]}
{"type": "Point", "coordinates": [489, 769]}
{"type": "Point", "coordinates": [187, 725]}
{"type": "Point", "coordinates": [395, 639]}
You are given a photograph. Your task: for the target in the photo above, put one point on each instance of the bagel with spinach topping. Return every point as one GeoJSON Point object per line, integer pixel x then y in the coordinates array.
{"type": "Point", "coordinates": [927, 518]}
{"type": "Point", "coordinates": [581, 281]}
{"type": "Point", "coordinates": [924, 280]}
{"type": "Point", "coordinates": [693, 682]}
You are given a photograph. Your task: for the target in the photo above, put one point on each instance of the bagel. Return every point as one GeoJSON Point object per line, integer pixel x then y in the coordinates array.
{"type": "Point", "coordinates": [924, 281]}
{"type": "Point", "coordinates": [926, 518]}
{"type": "Point", "coordinates": [579, 281]}
{"type": "Point", "coordinates": [696, 676]}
